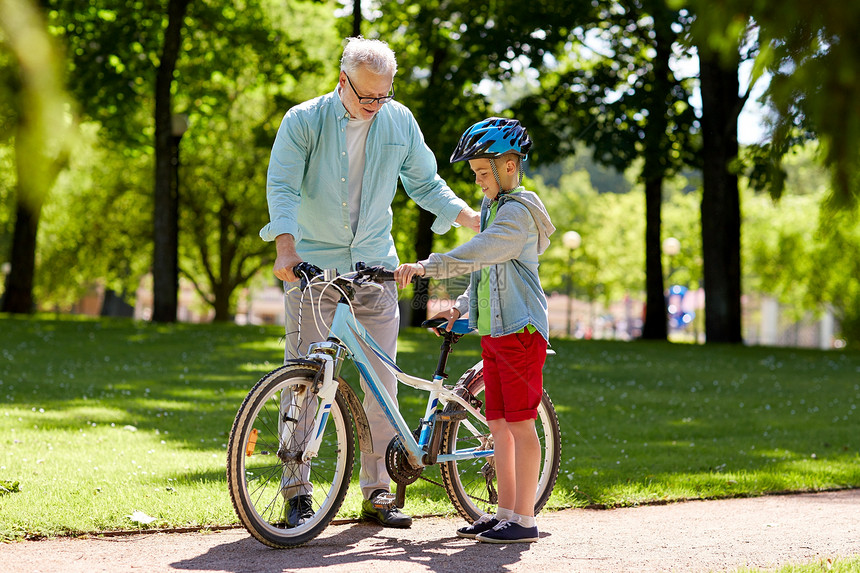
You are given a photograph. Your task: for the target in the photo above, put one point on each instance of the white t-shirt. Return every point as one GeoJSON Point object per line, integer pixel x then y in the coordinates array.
{"type": "Point", "coordinates": [356, 141]}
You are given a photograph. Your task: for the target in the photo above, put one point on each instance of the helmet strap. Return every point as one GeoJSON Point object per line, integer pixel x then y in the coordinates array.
{"type": "Point", "coordinates": [496, 174]}
{"type": "Point", "coordinates": [520, 174]}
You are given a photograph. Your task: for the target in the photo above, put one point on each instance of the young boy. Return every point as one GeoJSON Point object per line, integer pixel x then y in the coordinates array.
{"type": "Point", "coordinates": [507, 305]}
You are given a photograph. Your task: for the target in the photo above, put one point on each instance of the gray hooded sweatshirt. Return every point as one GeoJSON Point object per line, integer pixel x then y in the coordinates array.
{"type": "Point", "coordinates": [510, 247]}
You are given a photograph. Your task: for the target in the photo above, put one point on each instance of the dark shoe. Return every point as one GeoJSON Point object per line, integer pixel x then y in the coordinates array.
{"type": "Point", "coordinates": [509, 532]}
{"type": "Point", "coordinates": [381, 509]}
{"type": "Point", "coordinates": [484, 523]}
{"type": "Point", "coordinates": [300, 510]}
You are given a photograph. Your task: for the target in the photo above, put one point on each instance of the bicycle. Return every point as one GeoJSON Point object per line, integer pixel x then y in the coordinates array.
{"type": "Point", "coordinates": [272, 440]}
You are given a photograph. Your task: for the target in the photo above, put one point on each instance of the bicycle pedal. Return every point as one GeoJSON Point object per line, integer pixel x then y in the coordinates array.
{"type": "Point", "coordinates": [384, 500]}
{"type": "Point", "coordinates": [466, 395]}
{"type": "Point", "coordinates": [451, 416]}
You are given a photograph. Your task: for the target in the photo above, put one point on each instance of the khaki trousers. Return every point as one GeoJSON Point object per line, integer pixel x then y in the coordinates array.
{"type": "Point", "coordinates": [378, 311]}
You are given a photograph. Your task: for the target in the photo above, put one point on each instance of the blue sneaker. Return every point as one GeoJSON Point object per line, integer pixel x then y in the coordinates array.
{"type": "Point", "coordinates": [509, 532]}
{"type": "Point", "coordinates": [484, 523]}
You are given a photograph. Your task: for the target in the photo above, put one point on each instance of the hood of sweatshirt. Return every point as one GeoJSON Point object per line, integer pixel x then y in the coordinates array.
{"type": "Point", "coordinates": [538, 212]}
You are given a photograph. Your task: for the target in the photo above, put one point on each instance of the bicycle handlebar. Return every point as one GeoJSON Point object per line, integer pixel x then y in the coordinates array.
{"type": "Point", "coordinates": [363, 273]}
{"type": "Point", "coordinates": [375, 274]}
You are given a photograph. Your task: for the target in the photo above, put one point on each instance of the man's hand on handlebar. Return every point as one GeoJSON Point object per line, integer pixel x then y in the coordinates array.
{"type": "Point", "coordinates": [286, 259]}
{"type": "Point", "coordinates": [404, 273]}
{"type": "Point", "coordinates": [283, 267]}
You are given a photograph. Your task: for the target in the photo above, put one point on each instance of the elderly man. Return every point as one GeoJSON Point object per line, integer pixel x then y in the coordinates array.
{"type": "Point", "coordinates": [332, 177]}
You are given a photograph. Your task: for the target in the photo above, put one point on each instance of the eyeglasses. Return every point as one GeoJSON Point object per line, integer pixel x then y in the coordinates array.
{"type": "Point", "coordinates": [369, 100]}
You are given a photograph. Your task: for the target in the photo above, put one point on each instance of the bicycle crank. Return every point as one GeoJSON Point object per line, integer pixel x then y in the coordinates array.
{"type": "Point", "coordinates": [397, 463]}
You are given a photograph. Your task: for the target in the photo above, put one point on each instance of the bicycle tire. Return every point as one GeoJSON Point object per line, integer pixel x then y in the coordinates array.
{"type": "Point", "coordinates": [470, 483]}
{"type": "Point", "coordinates": [256, 470]}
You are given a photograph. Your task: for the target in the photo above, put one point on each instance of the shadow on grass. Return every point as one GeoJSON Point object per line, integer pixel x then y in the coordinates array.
{"type": "Point", "coordinates": [187, 381]}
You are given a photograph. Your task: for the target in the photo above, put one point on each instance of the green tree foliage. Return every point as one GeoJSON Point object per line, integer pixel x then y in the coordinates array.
{"type": "Point", "coordinates": [812, 52]}
{"type": "Point", "coordinates": [97, 224]}
{"type": "Point", "coordinates": [796, 250]}
{"type": "Point", "coordinates": [609, 264]}
{"type": "Point", "coordinates": [35, 117]}
{"type": "Point", "coordinates": [240, 71]}
{"type": "Point", "coordinates": [112, 50]}
{"type": "Point", "coordinates": [444, 51]}
{"type": "Point", "coordinates": [614, 88]}
{"type": "Point", "coordinates": [240, 68]}
{"type": "Point", "coordinates": [7, 197]}
{"type": "Point", "coordinates": [121, 57]}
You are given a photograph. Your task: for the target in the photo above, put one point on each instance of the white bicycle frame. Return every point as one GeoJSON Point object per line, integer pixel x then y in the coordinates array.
{"type": "Point", "coordinates": [347, 332]}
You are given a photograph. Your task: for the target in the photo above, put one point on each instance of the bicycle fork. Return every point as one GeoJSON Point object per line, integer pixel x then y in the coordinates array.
{"type": "Point", "coordinates": [329, 356]}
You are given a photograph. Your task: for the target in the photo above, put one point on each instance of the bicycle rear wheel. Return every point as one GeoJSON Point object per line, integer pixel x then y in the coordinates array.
{"type": "Point", "coordinates": [262, 459]}
{"type": "Point", "coordinates": [471, 484]}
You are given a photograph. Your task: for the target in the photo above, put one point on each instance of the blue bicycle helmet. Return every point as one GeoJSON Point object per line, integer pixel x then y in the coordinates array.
{"type": "Point", "coordinates": [492, 137]}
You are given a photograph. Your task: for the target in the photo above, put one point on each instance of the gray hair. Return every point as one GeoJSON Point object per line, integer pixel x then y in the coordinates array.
{"type": "Point", "coordinates": [375, 55]}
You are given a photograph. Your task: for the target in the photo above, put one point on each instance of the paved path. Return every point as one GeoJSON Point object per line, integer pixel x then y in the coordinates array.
{"type": "Point", "coordinates": [697, 536]}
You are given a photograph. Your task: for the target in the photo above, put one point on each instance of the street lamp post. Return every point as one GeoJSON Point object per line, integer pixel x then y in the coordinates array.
{"type": "Point", "coordinates": [571, 241]}
{"type": "Point", "coordinates": [671, 248]}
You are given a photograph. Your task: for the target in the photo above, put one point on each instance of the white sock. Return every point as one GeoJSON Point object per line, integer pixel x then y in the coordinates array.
{"type": "Point", "coordinates": [503, 514]}
{"type": "Point", "coordinates": [524, 520]}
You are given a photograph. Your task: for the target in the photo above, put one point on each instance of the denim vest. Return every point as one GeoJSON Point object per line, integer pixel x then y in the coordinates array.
{"type": "Point", "coordinates": [509, 247]}
{"type": "Point", "coordinates": [516, 296]}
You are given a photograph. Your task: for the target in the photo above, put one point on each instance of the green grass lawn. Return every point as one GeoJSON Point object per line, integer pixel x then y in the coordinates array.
{"type": "Point", "coordinates": [830, 565]}
{"type": "Point", "coordinates": [99, 419]}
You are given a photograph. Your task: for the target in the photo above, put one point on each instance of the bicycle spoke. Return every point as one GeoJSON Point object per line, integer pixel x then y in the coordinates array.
{"type": "Point", "coordinates": [261, 465]}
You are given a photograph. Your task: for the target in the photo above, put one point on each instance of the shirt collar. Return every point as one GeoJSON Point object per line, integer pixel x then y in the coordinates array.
{"type": "Point", "coordinates": [339, 108]}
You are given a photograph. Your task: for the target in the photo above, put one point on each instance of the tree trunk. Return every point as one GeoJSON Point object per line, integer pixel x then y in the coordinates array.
{"type": "Point", "coordinates": [165, 266]}
{"type": "Point", "coordinates": [356, 18]}
{"type": "Point", "coordinates": [721, 219]}
{"type": "Point", "coordinates": [18, 295]}
{"type": "Point", "coordinates": [424, 232]}
{"type": "Point", "coordinates": [222, 303]}
{"type": "Point", "coordinates": [423, 248]}
{"type": "Point", "coordinates": [656, 319]}
{"type": "Point", "coordinates": [654, 170]}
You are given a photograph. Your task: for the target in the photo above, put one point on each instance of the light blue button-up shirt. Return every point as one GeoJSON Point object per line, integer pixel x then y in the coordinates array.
{"type": "Point", "coordinates": [308, 191]}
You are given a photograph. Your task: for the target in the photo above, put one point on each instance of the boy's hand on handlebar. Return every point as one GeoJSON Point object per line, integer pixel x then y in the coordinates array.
{"type": "Point", "coordinates": [404, 273]}
{"type": "Point", "coordinates": [451, 315]}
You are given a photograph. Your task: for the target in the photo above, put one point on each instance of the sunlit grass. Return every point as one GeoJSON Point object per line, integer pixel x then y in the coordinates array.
{"type": "Point", "coordinates": [102, 418]}
{"type": "Point", "coordinates": [829, 565]}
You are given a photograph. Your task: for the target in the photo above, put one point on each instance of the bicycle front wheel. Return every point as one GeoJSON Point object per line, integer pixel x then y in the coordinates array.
{"type": "Point", "coordinates": [471, 483]}
{"type": "Point", "coordinates": [264, 471]}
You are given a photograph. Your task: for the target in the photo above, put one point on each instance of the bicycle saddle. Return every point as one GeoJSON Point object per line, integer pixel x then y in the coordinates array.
{"type": "Point", "coordinates": [461, 326]}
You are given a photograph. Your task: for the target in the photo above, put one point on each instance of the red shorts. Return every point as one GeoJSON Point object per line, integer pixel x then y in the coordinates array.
{"type": "Point", "coordinates": [513, 375]}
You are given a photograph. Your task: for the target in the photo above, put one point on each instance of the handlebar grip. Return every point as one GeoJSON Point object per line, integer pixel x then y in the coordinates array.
{"type": "Point", "coordinates": [376, 274]}
{"type": "Point", "coordinates": [305, 272]}
{"type": "Point", "coordinates": [382, 275]}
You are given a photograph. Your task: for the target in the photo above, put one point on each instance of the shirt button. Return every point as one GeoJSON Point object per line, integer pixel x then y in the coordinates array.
{"type": "Point", "coordinates": [344, 204]}
{"type": "Point", "coordinates": [343, 179]}
{"type": "Point", "coordinates": [343, 152]}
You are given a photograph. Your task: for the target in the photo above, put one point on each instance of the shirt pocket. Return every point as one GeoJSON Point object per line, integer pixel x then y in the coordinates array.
{"type": "Point", "coordinates": [389, 162]}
